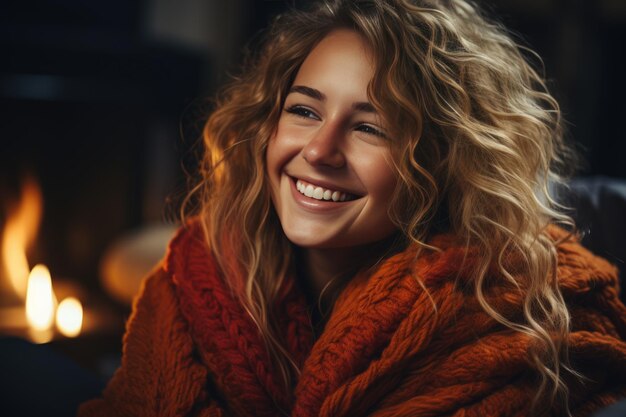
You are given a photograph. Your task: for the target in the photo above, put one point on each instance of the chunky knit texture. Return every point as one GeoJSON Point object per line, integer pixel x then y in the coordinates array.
{"type": "Point", "coordinates": [191, 350]}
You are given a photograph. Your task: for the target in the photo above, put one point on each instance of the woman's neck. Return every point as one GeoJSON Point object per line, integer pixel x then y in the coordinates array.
{"type": "Point", "coordinates": [319, 267]}
{"type": "Point", "coordinates": [325, 265]}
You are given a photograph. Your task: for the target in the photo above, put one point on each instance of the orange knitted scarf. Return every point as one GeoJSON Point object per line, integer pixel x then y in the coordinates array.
{"type": "Point", "coordinates": [191, 350]}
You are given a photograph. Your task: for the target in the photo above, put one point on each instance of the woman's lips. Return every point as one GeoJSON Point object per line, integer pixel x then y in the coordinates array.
{"type": "Point", "coordinates": [325, 185]}
{"type": "Point", "coordinates": [320, 193]}
{"type": "Point", "coordinates": [316, 200]}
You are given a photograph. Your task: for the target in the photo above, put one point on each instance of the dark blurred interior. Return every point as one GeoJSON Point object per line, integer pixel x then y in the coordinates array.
{"type": "Point", "coordinates": [102, 103]}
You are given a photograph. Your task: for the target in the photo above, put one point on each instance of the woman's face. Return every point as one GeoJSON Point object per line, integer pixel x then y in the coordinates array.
{"type": "Point", "coordinates": [329, 161]}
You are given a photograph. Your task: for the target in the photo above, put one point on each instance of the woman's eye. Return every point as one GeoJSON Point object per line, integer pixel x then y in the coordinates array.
{"type": "Point", "coordinates": [370, 130]}
{"type": "Point", "coordinates": [302, 111]}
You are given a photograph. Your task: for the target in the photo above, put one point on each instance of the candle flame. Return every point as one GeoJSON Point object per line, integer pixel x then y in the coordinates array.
{"type": "Point", "coordinates": [70, 317]}
{"type": "Point", "coordinates": [19, 234]}
{"type": "Point", "coordinates": [40, 300]}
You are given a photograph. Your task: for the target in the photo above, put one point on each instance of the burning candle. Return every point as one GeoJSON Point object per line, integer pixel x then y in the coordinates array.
{"type": "Point", "coordinates": [70, 317]}
{"type": "Point", "coordinates": [40, 301]}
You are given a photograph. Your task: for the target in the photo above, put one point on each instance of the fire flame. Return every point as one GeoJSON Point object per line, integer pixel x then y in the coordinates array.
{"type": "Point", "coordinates": [70, 317]}
{"type": "Point", "coordinates": [19, 234]}
{"type": "Point", "coordinates": [40, 300]}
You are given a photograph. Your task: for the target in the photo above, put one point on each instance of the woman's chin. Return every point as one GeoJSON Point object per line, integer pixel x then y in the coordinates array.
{"type": "Point", "coordinates": [311, 238]}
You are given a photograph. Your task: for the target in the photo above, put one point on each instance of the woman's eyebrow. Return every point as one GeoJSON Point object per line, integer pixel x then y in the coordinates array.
{"type": "Point", "coordinates": [363, 106]}
{"type": "Point", "coordinates": [308, 91]}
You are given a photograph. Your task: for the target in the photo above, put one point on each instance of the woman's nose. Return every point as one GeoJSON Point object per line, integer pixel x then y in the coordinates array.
{"type": "Point", "coordinates": [324, 148]}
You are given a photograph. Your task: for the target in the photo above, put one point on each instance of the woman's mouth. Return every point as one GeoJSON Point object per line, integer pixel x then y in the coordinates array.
{"type": "Point", "coordinates": [319, 193]}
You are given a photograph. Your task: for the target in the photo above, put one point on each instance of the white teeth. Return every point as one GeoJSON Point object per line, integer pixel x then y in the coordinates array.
{"type": "Point", "coordinates": [319, 193]}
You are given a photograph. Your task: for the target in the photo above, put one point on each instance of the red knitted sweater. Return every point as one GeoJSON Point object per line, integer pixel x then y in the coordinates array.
{"type": "Point", "coordinates": [191, 350]}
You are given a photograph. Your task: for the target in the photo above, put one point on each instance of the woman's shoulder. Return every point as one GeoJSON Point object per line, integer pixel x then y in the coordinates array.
{"type": "Point", "coordinates": [157, 349]}
{"type": "Point", "coordinates": [186, 259]}
{"type": "Point", "coordinates": [187, 248]}
{"type": "Point", "coordinates": [578, 269]}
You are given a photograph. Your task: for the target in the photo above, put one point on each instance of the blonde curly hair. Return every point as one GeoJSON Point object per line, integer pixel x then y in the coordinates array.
{"type": "Point", "coordinates": [477, 140]}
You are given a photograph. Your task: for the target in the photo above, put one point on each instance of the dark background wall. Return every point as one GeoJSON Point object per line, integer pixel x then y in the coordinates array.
{"type": "Point", "coordinates": [103, 101]}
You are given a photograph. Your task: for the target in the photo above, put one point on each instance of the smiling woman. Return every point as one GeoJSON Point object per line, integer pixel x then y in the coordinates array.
{"type": "Point", "coordinates": [329, 162]}
{"type": "Point", "coordinates": [329, 141]}
{"type": "Point", "coordinates": [375, 236]}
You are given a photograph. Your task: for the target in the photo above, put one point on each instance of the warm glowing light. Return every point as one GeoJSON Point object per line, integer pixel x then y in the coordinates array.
{"type": "Point", "coordinates": [70, 317]}
{"type": "Point", "coordinates": [19, 233]}
{"type": "Point", "coordinates": [40, 301]}
{"type": "Point", "coordinates": [40, 336]}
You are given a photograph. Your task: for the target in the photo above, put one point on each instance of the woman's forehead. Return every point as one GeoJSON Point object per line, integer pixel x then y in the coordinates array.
{"type": "Point", "coordinates": [343, 52]}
